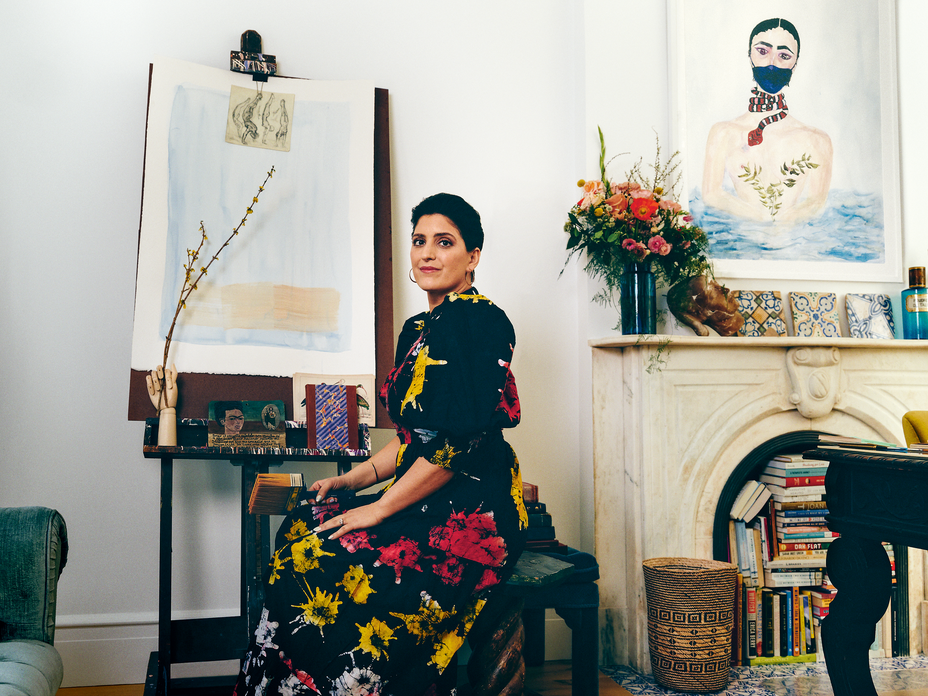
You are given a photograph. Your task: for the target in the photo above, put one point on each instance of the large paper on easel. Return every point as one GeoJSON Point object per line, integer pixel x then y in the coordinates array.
{"type": "Point", "coordinates": [294, 291]}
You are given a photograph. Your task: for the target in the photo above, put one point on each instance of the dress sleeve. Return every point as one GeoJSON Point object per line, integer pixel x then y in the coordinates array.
{"type": "Point", "coordinates": [455, 386]}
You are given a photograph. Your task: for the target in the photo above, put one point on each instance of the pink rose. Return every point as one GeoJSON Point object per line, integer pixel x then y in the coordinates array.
{"type": "Point", "coordinates": [656, 243]}
{"type": "Point", "coordinates": [619, 187]}
{"type": "Point", "coordinates": [642, 193]}
{"type": "Point", "coordinates": [665, 249]}
{"type": "Point", "coordinates": [672, 206]}
{"type": "Point", "coordinates": [593, 194]}
{"type": "Point", "coordinates": [629, 244]}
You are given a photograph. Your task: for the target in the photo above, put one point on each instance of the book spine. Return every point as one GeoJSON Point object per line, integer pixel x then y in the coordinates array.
{"type": "Point", "coordinates": [786, 472]}
{"type": "Point", "coordinates": [804, 545]}
{"type": "Point", "coordinates": [788, 600]}
{"type": "Point", "coordinates": [752, 622]}
{"type": "Point", "coordinates": [775, 618]}
{"type": "Point", "coordinates": [797, 621]}
{"type": "Point", "coordinates": [816, 504]}
{"type": "Point", "coordinates": [757, 564]}
{"type": "Point", "coordinates": [736, 653]}
{"type": "Point", "coordinates": [793, 481]}
{"type": "Point", "coordinates": [767, 597]}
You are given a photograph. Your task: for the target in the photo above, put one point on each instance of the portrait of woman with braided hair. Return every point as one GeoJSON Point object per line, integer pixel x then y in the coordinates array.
{"type": "Point", "coordinates": [776, 168]}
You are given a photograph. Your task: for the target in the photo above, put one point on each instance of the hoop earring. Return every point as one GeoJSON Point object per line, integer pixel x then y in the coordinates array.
{"type": "Point", "coordinates": [410, 276]}
{"type": "Point", "coordinates": [473, 276]}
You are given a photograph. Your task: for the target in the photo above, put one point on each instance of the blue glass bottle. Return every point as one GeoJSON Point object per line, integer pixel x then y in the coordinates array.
{"type": "Point", "coordinates": [915, 305]}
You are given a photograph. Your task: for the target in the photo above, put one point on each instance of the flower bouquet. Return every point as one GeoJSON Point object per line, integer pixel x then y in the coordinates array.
{"type": "Point", "coordinates": [635, 227]}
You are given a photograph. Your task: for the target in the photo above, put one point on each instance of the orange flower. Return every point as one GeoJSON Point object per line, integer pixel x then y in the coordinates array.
{"type": "Point", "coordinates": [643, 208]}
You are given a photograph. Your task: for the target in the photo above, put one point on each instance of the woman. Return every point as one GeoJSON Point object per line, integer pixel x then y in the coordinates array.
{"type": "Point", "coordinates": [778, 169]}
{"type": "Point", "coordinates": [373, 594]}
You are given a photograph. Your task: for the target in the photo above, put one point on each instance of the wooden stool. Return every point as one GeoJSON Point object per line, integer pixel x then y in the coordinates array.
{"type": "Point", "coordinates": [497, 665]}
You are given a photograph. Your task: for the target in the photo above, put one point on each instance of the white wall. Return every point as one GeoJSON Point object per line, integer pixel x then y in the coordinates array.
{"type": "Point", "coordinates": [497, 101]}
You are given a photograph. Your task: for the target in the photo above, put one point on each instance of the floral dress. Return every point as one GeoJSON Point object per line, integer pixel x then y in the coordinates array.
{"type": "Point", "coordinates": [383, 610]}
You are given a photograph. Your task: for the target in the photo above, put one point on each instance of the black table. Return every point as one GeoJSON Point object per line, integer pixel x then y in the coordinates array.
{"type": "Point", "coordinates": [217, 638]}
{"type": "Point", "coordinates": [873, 496]}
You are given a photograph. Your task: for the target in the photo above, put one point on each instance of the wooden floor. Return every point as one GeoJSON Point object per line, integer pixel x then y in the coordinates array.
{"type": "Point", "coordinates": [551, 679]}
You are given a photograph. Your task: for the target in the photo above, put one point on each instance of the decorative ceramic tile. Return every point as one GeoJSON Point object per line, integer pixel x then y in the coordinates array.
{"type": "Point", "coordinates": [870, 316]}
{"type": "Point", "coordinates": [815, 313]}
{"type": "Point", "coordinates": [762, 311]}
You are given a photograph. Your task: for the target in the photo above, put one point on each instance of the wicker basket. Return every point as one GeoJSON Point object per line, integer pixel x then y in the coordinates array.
{"type": "Point", "coordinates": [690, 614]}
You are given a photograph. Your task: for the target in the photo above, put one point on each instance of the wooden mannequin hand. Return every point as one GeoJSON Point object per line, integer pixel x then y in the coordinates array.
{"type": "Point", "coordinates": [167, 399]}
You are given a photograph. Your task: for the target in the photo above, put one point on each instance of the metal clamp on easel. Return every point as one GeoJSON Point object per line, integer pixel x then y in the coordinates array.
{"type": "Point", "coordinates": [250, 60]}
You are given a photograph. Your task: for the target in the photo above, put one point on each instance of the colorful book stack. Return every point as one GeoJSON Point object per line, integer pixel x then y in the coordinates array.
{"type": "Point", "coordinates": [780, 549]}
{"type": "Point", "coordinates": [541, 536]}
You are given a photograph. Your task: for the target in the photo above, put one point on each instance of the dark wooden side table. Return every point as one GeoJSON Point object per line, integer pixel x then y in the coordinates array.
{"type": "Point", "coordinates": [873, 496]}
{"type": "Point", "coordinates": [217, 638]}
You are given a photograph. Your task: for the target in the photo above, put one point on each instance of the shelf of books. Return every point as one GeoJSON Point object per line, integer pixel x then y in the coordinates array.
{"type": "Point", "coordinates": [778, 538]}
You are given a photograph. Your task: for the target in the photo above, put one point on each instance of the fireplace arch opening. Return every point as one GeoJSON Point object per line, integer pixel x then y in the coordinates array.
{"type": "Point", "coordinates": [750, 468]}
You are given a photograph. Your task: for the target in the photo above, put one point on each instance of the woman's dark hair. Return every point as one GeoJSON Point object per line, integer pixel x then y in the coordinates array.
{"type": "Point", "coordinates": [461, 214]}
{"type": "Point", "coordinates": [769, 24]}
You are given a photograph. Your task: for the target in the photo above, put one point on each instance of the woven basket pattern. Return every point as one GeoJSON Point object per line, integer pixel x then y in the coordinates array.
{"type": "Point", "coordinates": [690, 616]}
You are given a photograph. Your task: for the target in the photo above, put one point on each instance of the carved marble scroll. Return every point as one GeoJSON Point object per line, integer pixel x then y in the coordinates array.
{"type": "Point", "coordinates": [815, 378]}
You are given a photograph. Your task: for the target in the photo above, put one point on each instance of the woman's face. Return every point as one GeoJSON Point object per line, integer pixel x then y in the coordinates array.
{"type": "Point", "coordinates": [774, 47]}
{"type": "Point", "coordinates": [441, 263]}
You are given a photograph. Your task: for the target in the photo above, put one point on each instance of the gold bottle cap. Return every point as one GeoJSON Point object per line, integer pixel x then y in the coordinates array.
{"type": "Point", "coordinates": [917, 277]}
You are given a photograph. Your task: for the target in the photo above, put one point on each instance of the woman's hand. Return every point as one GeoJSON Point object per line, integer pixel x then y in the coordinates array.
{"type": "Point", "coordinates": [353, 520]}
{"type": "Point", "coordinates": [323, 486]}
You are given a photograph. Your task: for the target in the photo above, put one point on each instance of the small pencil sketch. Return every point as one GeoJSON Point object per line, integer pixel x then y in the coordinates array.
{"type": "Point", "coordinates": [259, 119]}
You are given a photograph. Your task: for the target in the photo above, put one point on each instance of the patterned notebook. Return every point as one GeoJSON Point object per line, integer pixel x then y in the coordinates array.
{"type": "Point", "coordinates": [762, 311]}
{"type": "Point", "coordinates": [815, 314]}
{"type": "Point", "coordinates": [870, 316]}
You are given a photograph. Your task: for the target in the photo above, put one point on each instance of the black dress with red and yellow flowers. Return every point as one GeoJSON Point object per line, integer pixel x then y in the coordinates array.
{"type": "Point", "coordinates": [383, 610]}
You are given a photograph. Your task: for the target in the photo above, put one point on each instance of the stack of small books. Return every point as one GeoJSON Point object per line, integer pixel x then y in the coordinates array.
{"type": "Point", "coordinates": [541, 536]}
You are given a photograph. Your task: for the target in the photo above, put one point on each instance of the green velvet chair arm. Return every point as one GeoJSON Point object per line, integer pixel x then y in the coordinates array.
{"type": "Point", "coordinates": [915, 426]}
{"type": "Point", "coordinates": [33, 552]}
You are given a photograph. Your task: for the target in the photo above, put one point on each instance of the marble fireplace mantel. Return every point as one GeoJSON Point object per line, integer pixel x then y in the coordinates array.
{"type": "Point", "coordinates": [671, 421]}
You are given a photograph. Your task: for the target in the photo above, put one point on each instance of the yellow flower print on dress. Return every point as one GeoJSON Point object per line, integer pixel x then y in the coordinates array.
{"type": "Point", "coordinates": [358, 584]}
{"type": "Point", "coordinates": [307, 552]}
{"type": "Point", "coordinates": [418, 378]}
{"type": "Point", "coordinates": [297, 529]}
{"type": "Point", "coordinates": [473, 298]}
{"type": "Point", "coordinates": [320, 609]}
{"type": "Point", "coordinates": [449, 643]}
{"type": "Point", "coordinates": [444, 456]}
{"type": "Point", "coordinates": [277, 565]}
{"type": "Point", "coordinates": [425, 622]}
{"type": "Point", "coordinates": [375, 637]}
{"type": "Point", "coordinates": [517, 493]}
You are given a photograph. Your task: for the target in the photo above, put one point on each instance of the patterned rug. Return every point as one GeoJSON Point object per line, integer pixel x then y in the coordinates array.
{"type": "Point", "coordinates": [811, 679]}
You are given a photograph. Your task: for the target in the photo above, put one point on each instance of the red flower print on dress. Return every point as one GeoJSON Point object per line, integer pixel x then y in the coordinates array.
{"type": "Point", "coordinates": [509, 397]}
{"type": "Point", "coordinates": [297, 677]}
{"type": "Point", "coordinates": [451, 570]}
{"type": "Point", "coordinates": [472, 536]}
{"type": "Point", "coordinates": [403, 554]}
{"type": "Point", "coordinates": [490, 578]}
{"type": "Point", "coordinates": [355, 541]}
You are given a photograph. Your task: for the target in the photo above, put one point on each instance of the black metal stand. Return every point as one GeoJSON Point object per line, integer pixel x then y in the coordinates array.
{"type": "Point", "coordinates": [226, 637]}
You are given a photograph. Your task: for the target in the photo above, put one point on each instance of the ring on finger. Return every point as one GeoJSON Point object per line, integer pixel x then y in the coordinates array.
{"type": "Point", "coordinates": [341, 521]}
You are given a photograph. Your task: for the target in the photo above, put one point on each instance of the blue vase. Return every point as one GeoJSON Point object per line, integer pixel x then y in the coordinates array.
{"type": "Point", "coordinates": [638, 299]}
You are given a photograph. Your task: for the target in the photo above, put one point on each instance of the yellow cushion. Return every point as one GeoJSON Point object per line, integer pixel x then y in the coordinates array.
{"type": "Point", "coordinates": [915, 426]}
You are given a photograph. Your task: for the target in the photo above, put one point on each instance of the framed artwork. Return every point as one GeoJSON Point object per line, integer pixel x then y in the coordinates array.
{"type": "Point", "coordinates": [294, 291]}
{"type": "Point", "coordinates": [785, 115]}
